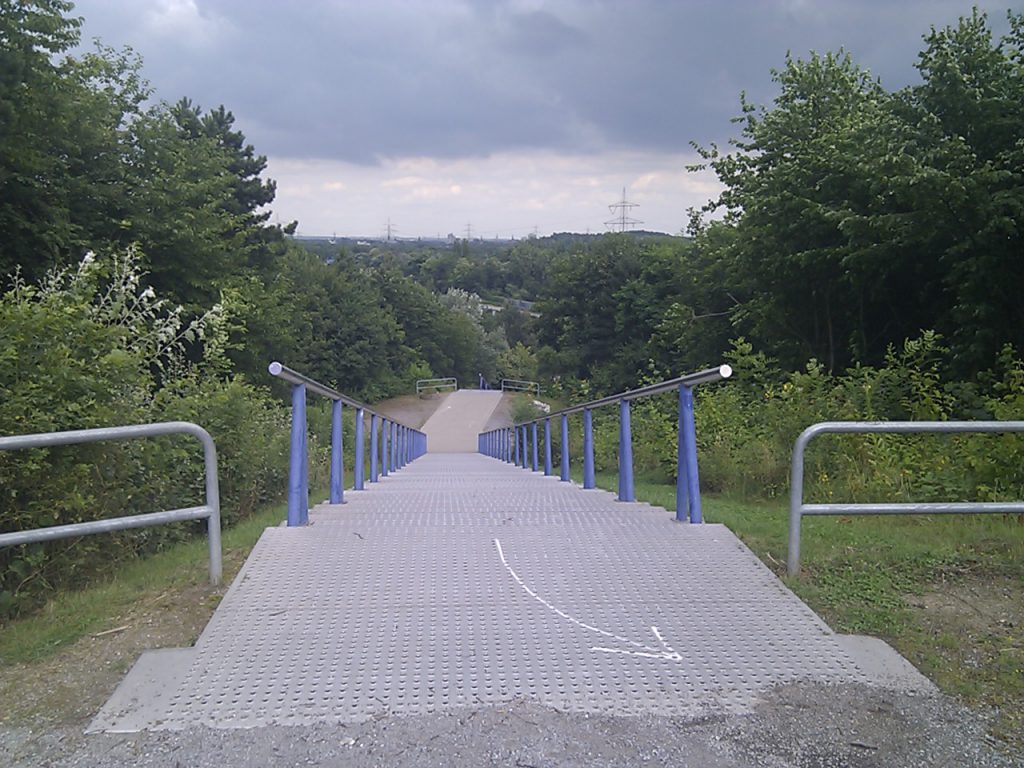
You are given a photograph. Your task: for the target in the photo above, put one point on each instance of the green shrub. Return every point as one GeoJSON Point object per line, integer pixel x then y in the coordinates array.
{"type": "Point", "coordinates": [92, 348]}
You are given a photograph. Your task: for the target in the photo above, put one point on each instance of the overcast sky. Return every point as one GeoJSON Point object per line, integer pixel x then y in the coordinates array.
{"type": "Point", "coordinates": [504, 116]}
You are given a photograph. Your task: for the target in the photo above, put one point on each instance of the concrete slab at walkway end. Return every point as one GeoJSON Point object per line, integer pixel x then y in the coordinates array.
{"type": "Point", "coordinates": [140, 702]}
{"type": "Point", "coordinates": [884, 665]}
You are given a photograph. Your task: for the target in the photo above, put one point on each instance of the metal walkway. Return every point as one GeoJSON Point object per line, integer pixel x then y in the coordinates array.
{"type": "Point", "coordinates": [461, 581]}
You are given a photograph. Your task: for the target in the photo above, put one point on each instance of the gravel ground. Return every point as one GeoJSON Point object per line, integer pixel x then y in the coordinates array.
{"type": "Point", "coordinates": [805, 726]}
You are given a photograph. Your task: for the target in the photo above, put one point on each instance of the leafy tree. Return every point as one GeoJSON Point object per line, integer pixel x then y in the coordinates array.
{"type": "Point", "coordinates": [63, 124]}
{"type": "Point", "coordinates": [971, 107]}
{"type": "Point", "coordinates": [517, 362]}
{"type": "Point", "coordinates": [857, 217]}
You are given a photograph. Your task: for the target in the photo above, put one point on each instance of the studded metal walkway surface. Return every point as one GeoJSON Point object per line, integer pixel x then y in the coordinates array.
{"type": "Point", "coordinates": [461, 581]}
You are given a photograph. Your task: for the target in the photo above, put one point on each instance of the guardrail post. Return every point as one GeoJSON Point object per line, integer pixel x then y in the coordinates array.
{"type": "Point", "coordinates": [688, 458]}
{"type": "Point", "coordinates": [533, 438]}
{"type": "Point", "coordinates": [298, 490]}
{"type": "Point", "coordinates": [337, 455]}
{"type": "Point", "coordinates": [565, 447]}
{"type": "Point", "coordinates": [373, 448]}
{"type": "Point", "coordinates": [515, 446]}
{"type": "Point", "coordinates": [384, 447]}
{"type": "Point", "coordinates": [395, 429]}
{"type": "Point", "coordinates": [796, 501]}
{"type": "Point", "coordinates": [359, 470]}
{"type": "Point", "coordinates": [588, 449]}
{"type": "Point", "coordinates": [626, 492]}
{"type": "Point", "coordinates": [524, 454]}
{"type": "Point", "coordinates": [547, 447]}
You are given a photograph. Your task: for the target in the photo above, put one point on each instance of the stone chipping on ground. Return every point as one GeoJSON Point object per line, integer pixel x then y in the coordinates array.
{"type": "Point", "coordinates": [794, 726]}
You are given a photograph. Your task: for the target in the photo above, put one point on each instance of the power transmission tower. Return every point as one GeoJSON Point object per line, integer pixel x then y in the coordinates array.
{"type": "Point", "coordinates": [392, 230]}
{"type": "Point", "coordinates": [621, 210]}
{"type": "Point", "coordinates": [469, 232]}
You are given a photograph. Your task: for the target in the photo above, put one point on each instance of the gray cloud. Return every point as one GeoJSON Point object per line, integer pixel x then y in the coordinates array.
{"type": "Point", "coordinates": [358, 81]}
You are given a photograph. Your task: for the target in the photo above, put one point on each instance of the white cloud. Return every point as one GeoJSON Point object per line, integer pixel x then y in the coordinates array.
{"type": "Point", "coordinates": [506, 194]}
{"type": "Point", "coordinates": [182, 22]}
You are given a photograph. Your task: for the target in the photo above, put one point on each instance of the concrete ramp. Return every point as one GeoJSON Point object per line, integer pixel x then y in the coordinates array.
{"type": "Point", "coordinates": [458, 421]}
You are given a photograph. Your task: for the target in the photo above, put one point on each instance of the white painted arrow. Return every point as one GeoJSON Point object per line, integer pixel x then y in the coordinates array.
{"type": "Point", "coordinates": [666, 651]}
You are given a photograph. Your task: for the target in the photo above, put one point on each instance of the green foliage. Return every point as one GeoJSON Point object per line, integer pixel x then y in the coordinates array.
{"type": "Point", "coordinates": [518, 363]}
{"type": "Point", "coordinates": [746, 429]}
{"type": "Point", "coordinates": [92, 347]}
{"type": "Point", "coordinates": [854, 217]}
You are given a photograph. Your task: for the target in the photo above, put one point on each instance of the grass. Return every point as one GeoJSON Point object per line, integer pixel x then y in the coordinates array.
{"type": "Point", "coordinates": [70, 616]}
{"type": "Point", "coordinates": [946, 591]}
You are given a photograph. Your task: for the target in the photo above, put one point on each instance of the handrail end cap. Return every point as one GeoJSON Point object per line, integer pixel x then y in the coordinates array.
{"type": "Point", "coordinates": [275, 368]}
{"type": "Point", "coordinates": [725, 370]}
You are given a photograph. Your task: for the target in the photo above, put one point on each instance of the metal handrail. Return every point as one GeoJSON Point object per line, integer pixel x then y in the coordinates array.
{"type": "Point", "coordinates": [436, 384]}
{"type": "Point", "coordinates": [398, 444]}
{"type": "Point", "coordinates": [690, 380]}
{"type": "Point", "coordinates": [294, 377]}
{"type": "Point", "coordinates": [511, 444]}
{"type": "Point", "coordinates": [797, 509]}
{"type": "Point", "coordinates": [210, 511]}
{"type": "Point", "coordinates": [520, 385]}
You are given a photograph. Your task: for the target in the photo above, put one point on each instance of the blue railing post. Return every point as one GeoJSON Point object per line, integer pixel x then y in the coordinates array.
{"type": "Point", "coordinates": [588, 449]}
{"type": "Point", "coordinates": [358, 471]}
{"type": "Point", "coordinates": [337, 455]}
{"type": "Point", "coordinates": [688, 449]}
{"type": "Point", "coordinates": [298, 491]}
{"type": "Point", "coordinates": [384, 458]}
{"type": "Point", "coordinates": [547, 447]}
{"type": "Point", "coordinates": [515, 446]}
{"type": "Point", "coordinates": [533, 438]}
{"type": "Point", "coordinates": [395, 430]}
{"type": "Point", "coordinates": [565, 447]}
{"type": "Point", "coordinates": [524, 452]}
{"type": "Point", "coordinates": [373, 448]}
{"type": "Point", "coordinates": [626, 492]}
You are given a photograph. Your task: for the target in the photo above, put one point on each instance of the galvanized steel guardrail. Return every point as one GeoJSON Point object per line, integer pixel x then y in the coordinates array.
{"type": "Point", "coordinates": [797, 508]}
{"type": "Point", "coordinates": [392, 444]}
{"type": "Point", "coordinates": [209, 511]}
{"type": "Point", "coordinates": [510, 443]}
{"type": "Point", "coordinates": [518, 385]}
{"type": "Point", "coordinates": [449, 382]}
